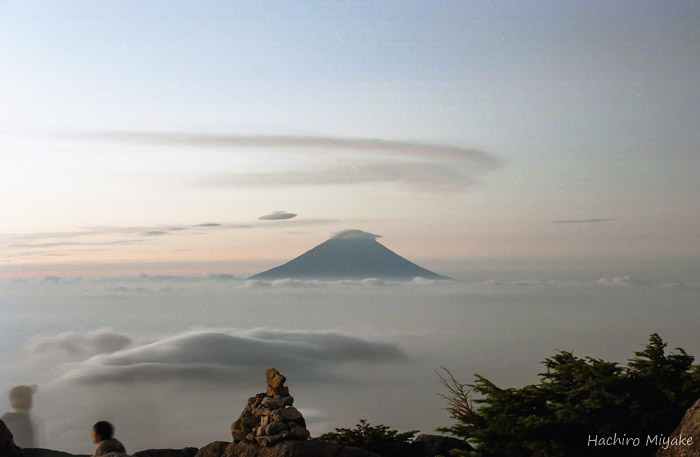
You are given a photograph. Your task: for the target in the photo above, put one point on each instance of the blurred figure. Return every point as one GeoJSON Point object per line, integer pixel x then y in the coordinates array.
{"type": "Point", "coordinates": [103, 436]}
{"type": "Point", "coordinates": [19, 420]}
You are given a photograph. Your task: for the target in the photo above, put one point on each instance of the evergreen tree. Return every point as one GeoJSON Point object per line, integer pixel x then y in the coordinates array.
{"type": "Point", "coordinates": [577, 399]}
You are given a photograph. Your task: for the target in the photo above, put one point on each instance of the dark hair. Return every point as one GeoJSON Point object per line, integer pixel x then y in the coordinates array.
{"type": "Point", "coordinates": [21, 396]}
{"type": "Point", "coordinates": [104, 429]}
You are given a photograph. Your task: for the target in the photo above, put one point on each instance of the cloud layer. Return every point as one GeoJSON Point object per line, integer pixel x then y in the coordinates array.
{"type": "Point", "coordinates": [621, 281]}
{"type": "Point", "coordinates": [295, 141]}
{"type": "Point", "coordinates": [582, 221]}
{"type": "Point", "coordinates": [52, 244]}
{"type": "Point", "coordinates": [73, 346]}
{"type": "Point", "coordinates": [213, 355]}
{"type": "Point", "coordinates": [422, 166]}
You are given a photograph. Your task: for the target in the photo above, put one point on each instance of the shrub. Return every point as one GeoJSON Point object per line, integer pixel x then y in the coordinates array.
{"type": "Point", "coordinates": [378, 438]}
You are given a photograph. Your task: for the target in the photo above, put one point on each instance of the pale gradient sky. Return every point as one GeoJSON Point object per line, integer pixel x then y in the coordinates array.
{"type": "Point", "coordinates": [457, 130]}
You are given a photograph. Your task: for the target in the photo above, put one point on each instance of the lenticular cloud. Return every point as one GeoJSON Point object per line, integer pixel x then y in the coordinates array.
{"type": "Point", "coordinates": [420, 166]}
{"type": "Point", "coordinates": [277, 216]}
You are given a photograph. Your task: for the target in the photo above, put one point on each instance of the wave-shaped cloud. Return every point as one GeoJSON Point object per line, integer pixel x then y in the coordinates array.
{"type": "Point", "coordinates": [74, 346]}
{"type": "Point", "coordinates": [213, 355]}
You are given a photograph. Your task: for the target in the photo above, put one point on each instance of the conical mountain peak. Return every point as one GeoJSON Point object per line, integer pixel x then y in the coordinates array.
{"type": "Point", "coordinates": [350, 254]}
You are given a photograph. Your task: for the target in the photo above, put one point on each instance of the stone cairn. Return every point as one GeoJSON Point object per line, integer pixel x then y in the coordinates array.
{"type": "Point", "coordinates": [269, 417]}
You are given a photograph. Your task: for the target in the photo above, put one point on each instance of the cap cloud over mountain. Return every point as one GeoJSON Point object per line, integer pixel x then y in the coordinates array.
{"type": "Point", "coordinates": [350, 254]}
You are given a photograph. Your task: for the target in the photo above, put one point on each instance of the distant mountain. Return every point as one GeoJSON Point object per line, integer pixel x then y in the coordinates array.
{"type": "Point", "coordinates": [351, 254]}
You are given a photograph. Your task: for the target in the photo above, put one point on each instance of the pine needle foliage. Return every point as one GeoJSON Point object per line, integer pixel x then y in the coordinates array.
{"type": "Point", "coordinates": [379, 439]}
{"type": "Point", "coordinates": [576, 399]}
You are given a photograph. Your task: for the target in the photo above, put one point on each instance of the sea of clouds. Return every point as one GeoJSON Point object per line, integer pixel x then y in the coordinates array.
{"type": "Point", "coordinates": [172, 360]}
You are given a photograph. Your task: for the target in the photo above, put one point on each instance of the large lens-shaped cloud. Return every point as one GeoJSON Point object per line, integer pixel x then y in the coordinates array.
{"type": "Point", "coordinates": [337, 160]}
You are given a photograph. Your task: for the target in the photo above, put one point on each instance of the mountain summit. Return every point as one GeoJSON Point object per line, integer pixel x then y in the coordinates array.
{"type": "Point", "coordinates": [350, 254]}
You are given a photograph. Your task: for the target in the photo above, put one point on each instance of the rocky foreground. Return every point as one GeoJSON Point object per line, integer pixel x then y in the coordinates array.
{"type": "Point", "coordinates": [688, 428]}
{"type": "Point", "coordinates": [270, 426]}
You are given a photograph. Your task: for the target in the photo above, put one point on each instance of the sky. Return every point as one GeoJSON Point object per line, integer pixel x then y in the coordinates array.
{"type": "Point", "coordinates": [153, 137]}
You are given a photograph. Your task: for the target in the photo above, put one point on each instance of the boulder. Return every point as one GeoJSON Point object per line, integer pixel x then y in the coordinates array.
{"type": "Point", "coordinates": [186, 452]}
{"type": "Point", "coordinates": [215, 449]}
{"type": "Point", "coordinates": [39, 452]}
{"type": "Point", "coordinates": [308, 448]}
{"type": "Point", "coordinates": [680, 443]}
{"type": "Point", "coordinates": [433, 445]}
{"type": "Point", "coordinates": [7, 444]}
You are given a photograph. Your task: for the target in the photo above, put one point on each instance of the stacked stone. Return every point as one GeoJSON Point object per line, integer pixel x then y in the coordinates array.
{"type": "Point", "coordinates": [269, 417]}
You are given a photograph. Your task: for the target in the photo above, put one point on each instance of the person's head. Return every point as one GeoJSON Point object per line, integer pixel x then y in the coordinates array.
{"type": "Point", "coordinates": [21, 396]}
{"type": "Point", "coordinates": [101, 431]}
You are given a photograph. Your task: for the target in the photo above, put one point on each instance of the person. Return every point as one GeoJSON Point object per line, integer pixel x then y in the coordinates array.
{"type": "Point", "coordinates": [103, 436]}
{"type": "Point", "coordinates": [19, 421]}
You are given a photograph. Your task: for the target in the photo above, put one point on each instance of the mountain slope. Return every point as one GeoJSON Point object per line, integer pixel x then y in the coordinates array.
{"type": "Point", "coordinates": [352, 254]}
